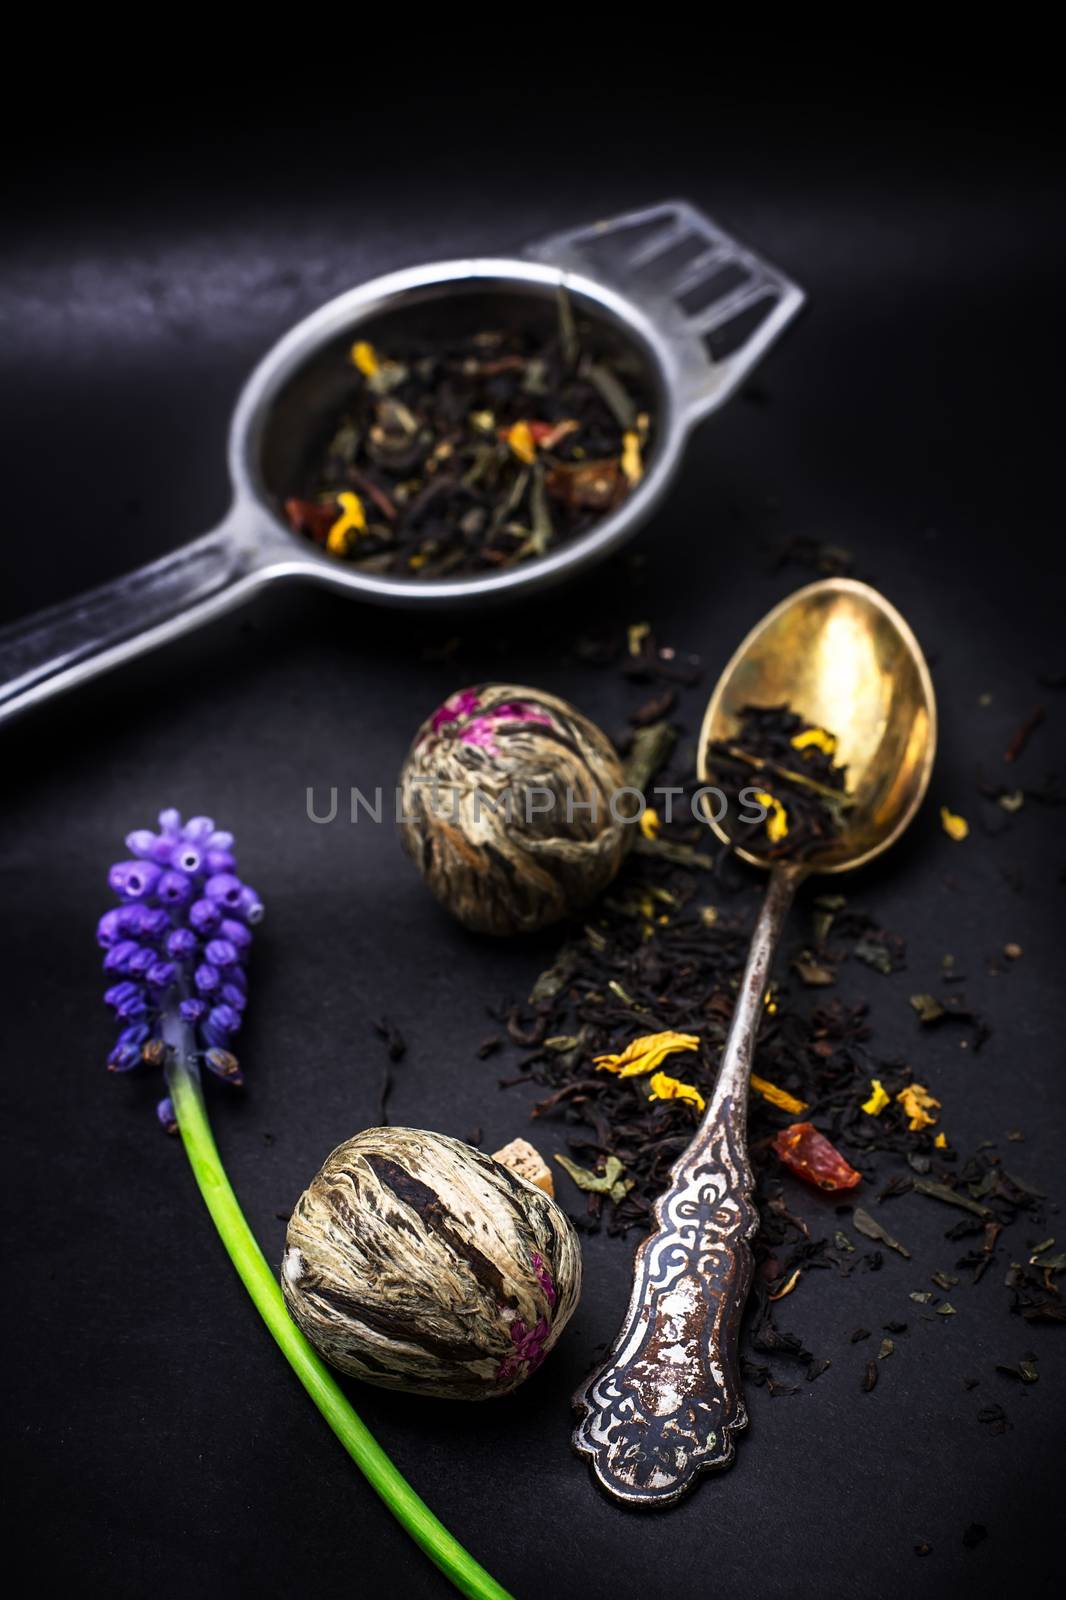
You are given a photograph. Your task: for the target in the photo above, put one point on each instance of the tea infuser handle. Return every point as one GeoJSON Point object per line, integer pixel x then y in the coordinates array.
{"type": "Point", "coordinates": [666, 1403]}
{"type": "Point", "coordinates": [716, 304]}
{"type": "Point", "coordinates": [76, 639]}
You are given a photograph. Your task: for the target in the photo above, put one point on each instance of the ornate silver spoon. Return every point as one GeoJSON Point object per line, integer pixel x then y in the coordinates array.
{"type": "Point", "coordinates": [667, 1401]}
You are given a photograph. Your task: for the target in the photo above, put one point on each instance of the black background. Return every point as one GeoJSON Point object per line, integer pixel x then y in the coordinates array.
{"type": "Point", "coordinates": [158, 1442]}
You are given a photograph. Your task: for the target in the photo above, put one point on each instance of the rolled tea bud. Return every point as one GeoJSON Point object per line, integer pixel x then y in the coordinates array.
{"type": "Point", "coordinates": [415, 1262]}
{"type": "Point", "coordinates": [511, 808]}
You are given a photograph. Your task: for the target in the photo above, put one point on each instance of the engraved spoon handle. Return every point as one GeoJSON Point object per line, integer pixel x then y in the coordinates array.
{"type": "Point", "coordinates": [665, 1404]}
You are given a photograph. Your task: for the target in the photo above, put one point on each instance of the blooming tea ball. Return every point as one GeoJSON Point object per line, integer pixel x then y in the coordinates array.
{"type": "Point", "coordinates": [416, 1262]}
{"type": "Point", "coordinates": [511, 808]}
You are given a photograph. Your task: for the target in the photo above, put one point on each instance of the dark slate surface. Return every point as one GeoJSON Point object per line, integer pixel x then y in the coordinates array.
{"type": "Point", "coordinates": [160, 1442]}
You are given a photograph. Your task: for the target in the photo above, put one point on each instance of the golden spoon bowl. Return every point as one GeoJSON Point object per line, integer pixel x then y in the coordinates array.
{"type": "Point", "coordinates": [838, 654]}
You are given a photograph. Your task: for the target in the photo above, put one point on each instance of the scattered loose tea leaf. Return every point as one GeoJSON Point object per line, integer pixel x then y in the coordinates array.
{"type": "Point", "coordinates": [1025, 1371]}
{"type": "Point", "coordinates": [873, 1230]}
{"type": "Point", "coordinates": [815, 974]}
{"type": "Point", "coordinates": [876, 954]}
{"type": "Point", "coordinates": [928, 1009]}
{"type": "Point", "coordinates": [1021, 738]}
{"type": "Point", "coordinates": [609, 1181]}
{"type": "Point", "coordinates": [994, 1418]}
{"type": "Point", "coordinates": [870, 1376]}
{"type": "Point", "coordinates": [951, 1197]}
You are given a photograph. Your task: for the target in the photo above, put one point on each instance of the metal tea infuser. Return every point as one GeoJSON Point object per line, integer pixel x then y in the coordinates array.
{"type": "Point", "coordinates": [664, 280]}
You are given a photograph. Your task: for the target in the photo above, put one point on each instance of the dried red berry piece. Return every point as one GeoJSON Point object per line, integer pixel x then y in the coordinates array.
{"type": "Point", "coordinates": [809, 1154]}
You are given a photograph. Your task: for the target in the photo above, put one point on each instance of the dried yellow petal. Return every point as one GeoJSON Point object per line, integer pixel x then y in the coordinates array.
{"type": "Point", "coordinates": [646, 1053]}
{"type": "Point", "coordinates": [650, 822]}
{"type": "Point", "coordinates": [787, 1287]}
{"type": "Point", "coordinates": [878, 1099]}
{"type": "Point", "coordinates": [954, 826]}
{"type": "Point", "coordinates": [365, 357]}
{"type": "Point", "coordinates": [663, 1088]}
{"type": "Point", "coordinates": [941, 1141]}
{"type": "Point", "coordinates": [816, 737]}
{"type": "Point", "coordinates": [632, 465]}
{"type": "Point", "coordinates": [636, 634]}
{"type": "Point", "coordinates": [522, 443]}
{"type": "Point", "coordinates": [777, 820]}
{"type": "Point", "coordinates": [917, 1102]}
{"type": "Point", "coordinates": [777, 1097]}
{"type": "Point", "coordinates": [352, 520]}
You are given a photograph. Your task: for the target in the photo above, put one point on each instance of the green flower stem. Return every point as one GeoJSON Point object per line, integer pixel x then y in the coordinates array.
{"type": "Point", "coordinates": [406, 1506]}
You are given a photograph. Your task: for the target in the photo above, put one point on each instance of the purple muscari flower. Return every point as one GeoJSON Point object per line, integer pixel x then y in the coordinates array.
{"type": "Point", "coordinates": [119, 992]}
{"type": "Point", "coordinates": [204, 915]}
{"type": "Point", "coordinates": [226, 889]}
{"type": "Point", "coordinates": [185, 856]}
{"type": "Point", "coordinates": [206, 978]}
{"type": "Point", "coordinates": [236, 933]}
{"type": "Point", "coordinates": [221, 953]}
{"type": "Point", "coordinates": [223, 1064]}
{"type": "Point", "coordinates": [179, 941]}
{"type": "Point", "coordinates": [149, 846]}
{"type": "Point", "coordinates": [134, 880]}
{"type": "Point", "coordinates": [220, 861]}
{"type": "Point", "coordinates": [251, 907]}
{"type": "Point", "coordinates": [198, 828]}
{"type": "Point", "coordinates": [119, 955]}
{"type": "Point", "coordinates": [155, 922]}
{"type": "Point", "coordinates": [123, 1057]}
{"type": "Point", "coordinates": [174, 888]}
{"type": "Point", "coordinates": [165, 1112]}
{"type": "Point", "coordinates": [221, 1023]}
